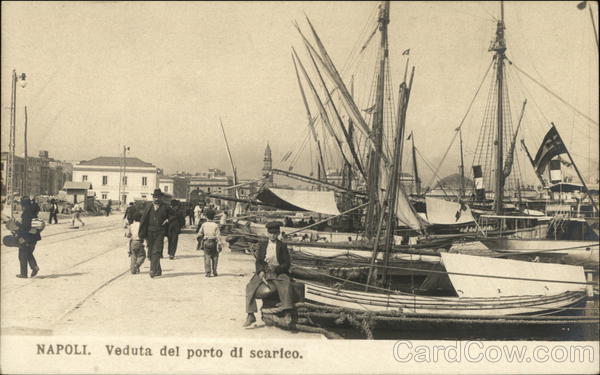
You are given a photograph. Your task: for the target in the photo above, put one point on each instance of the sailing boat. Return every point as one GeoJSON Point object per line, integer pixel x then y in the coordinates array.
{"type": "Point", "coordinates": [454, 291]}
{"type": "Point", "coordinates": [568, 239]}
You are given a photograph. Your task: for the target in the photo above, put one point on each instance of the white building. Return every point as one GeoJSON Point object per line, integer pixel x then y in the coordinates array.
{"type": "Point", "coordinates": [166, 184]}
{"type": "Point", "coordinates": [139, 179]}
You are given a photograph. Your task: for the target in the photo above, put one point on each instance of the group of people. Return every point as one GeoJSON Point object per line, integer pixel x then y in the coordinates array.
{"type": "Point", "coordinates": [159, 220]}
{"type": "Point", "coordinates": [151, 225]}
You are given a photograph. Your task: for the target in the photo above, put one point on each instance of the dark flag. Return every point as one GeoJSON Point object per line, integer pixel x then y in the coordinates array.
{"type": "Point", "coordinates": [581, 5]}
{"type": "Point", "coordinates": [552, 146]}
{"type": "Point", "coordinates": [406, 52]}
{"type": "Point", "coordinates": [409, 136]}
{"type": "Point", "coordinates": [463, 207]}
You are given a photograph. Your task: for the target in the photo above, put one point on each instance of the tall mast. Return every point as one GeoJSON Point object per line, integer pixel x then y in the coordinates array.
{"type": "Point", "coordinates": [500, 48]}
{"type": "Point", "coordinates": [310, 122]}
{"type": "Point", "coordinates": [233, 170]}
{"type": "Point", "coordinates": [462, 166]}
{"type": "Point", "coordinates": [377, 128]}
{"type": "Point", "coordinates": [351, 136]}
{"type": "Point", "coordinates": [415, 170]}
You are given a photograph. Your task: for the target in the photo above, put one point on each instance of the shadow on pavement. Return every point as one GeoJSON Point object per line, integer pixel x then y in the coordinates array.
{"type": "Point", "coordinates": [187, 256]}
{"type": "Point", "coordinates": [232, 274]}
{"type": "Point", "coordinates": [57, 275]}
{"type": "Point", "coordinates": [177, 274]}
{"type": "Point", "coordinates": [26, 331]}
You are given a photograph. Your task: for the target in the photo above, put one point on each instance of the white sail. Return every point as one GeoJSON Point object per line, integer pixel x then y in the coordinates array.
{"type": "Point", "coordinates": [443, 212]}
{"type": "Point", "coordinates": [406, 214]}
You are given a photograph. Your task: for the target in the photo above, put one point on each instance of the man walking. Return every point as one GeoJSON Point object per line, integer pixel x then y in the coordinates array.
{"type": "Point", "coordinates": [129, 213]}
{"type": "Point", "coordinates": [176, 221]}
{"type": "Point", "coordinates": [152, 229]}
{"type": "Point", "coordinates": [77, 210]}
{"type": "Point", "coordinates": [27, 239]}
{"type": "Point", "coordinates": [53, 212]}
{"type": "Point", "coordinates": [190, 214]}
{"type": "Point", "coordinates": [108, 207]}
{"type": "Point", "coordinates": [197, 214]}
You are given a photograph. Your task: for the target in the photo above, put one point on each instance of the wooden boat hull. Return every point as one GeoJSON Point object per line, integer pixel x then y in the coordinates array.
{"type": "Point", "coordinates": [440, 306]}
{"type": "Point", "coordinates": [584, 253]}
{"type": "Point", "coordinates": [357, 253]}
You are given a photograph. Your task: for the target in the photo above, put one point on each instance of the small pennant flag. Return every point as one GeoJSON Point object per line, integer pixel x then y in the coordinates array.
{"type": "Point", "coordinates": [406, 52]}
{"type": "Point", "coordinates": [409, 136]}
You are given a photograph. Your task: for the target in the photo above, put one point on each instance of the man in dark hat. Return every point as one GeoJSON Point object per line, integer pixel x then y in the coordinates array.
{"type": "Point", "coordinates": [176, 221]}
{"type": "Point", "coordinates": [272, 267]}
{"type": "Point", "coordinates": [27, 239]}
{"type": "Point", "coordinates": [152, 229]}
{"type": "Point", "coordinates": [53, 212]}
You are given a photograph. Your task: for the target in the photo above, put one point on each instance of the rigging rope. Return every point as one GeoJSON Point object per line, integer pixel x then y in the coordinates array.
{"type": "Point", "coordinates": [462, 121]}
{"type": "Point", "coordinates": [553, 94]}
{"type": "Point", "coordinates": [465, 274]}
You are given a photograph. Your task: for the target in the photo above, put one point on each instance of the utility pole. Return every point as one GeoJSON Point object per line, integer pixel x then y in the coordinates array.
{"type": "Point", "coordinates": [10, 168]}
{"type": "Point", "coordinates": [124, 178]}
{"type": "Point", "coordinates": [26, 172]}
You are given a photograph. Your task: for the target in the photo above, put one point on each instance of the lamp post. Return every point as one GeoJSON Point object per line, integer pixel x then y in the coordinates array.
{"type": "Point", "coordinates": [122, 180]}
{"type": "Point", "coordinates": [10, 175]}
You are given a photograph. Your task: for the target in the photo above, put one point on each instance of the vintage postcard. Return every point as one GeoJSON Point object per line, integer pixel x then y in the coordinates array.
{"type": "Point", "coordinates": [326, 187]}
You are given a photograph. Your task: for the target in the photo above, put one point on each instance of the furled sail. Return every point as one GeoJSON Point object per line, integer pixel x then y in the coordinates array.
{"type": "Point", "coordinates": [322, 202]}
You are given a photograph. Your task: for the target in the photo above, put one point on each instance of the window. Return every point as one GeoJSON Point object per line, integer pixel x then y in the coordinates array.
{"type": "Point", "coordinates": [124, 180]}
{"type": "Point", "coordinates": [104, 196]}
{"type": "Point", "coordinates": [166, 189]}
{"type": "Point", "coordinates": [144, 181]}
{"type": "Point", "coordinates": [84, 178]}
{"type": "Point", "coordinates": [104, 180]}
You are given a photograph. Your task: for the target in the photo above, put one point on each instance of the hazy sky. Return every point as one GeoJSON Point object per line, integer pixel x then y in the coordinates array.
{"type": "Point", "coordinates": [157, 76]}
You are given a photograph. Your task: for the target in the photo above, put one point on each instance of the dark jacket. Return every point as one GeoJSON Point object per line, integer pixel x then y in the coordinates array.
{"type": "Point", "coordinates": [176, 221]}
{"type": "Point", "coordinates": [28, 214]}
{"type": "Point", "coordinates": [155, 224]}
{"type": "Point", "coordinates": [283, 258]}
{"type": "Point", "coordinates": [129, 211]}
{"type": "Point", "coordinates": [54, 208]}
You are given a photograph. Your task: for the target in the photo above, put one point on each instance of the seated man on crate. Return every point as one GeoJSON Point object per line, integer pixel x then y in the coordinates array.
{"type": "Point", "coordinates": [272, 271]}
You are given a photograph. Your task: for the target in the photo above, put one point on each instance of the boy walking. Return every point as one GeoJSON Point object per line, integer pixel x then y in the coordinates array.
{"type": "Point", "coordinates": [209, 235]}
{"type": "Point", "coordinates": [77, 210]}
{"type": "Point", "coordinates": [137, 254]}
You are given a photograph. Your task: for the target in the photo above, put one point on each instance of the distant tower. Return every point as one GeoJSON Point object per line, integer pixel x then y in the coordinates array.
{"type": "Point", "coordinates": [268, 164]}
